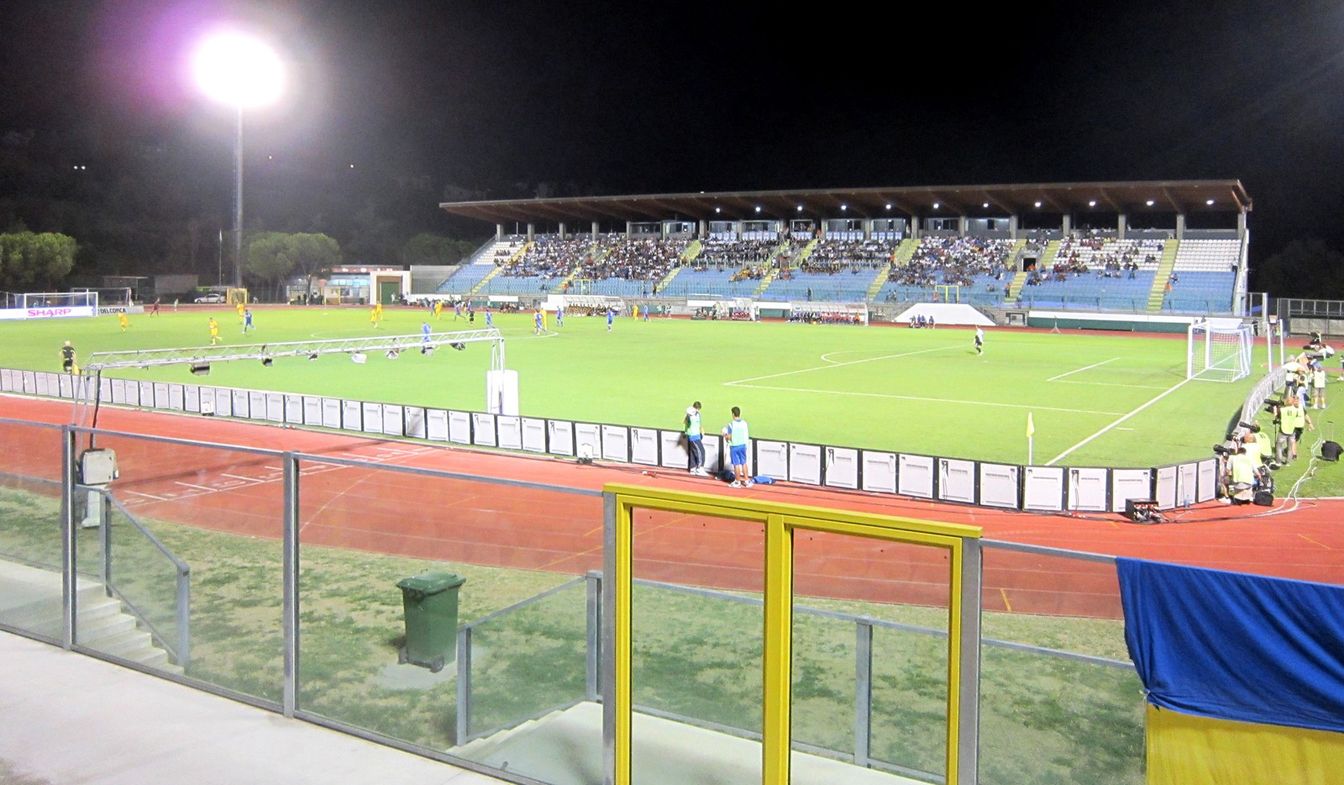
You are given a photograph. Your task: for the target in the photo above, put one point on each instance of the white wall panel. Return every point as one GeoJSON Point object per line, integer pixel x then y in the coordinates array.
{"type": "Point", "coordinates": [561, 441]}
{"type": "Point", "coordinates": [1165, 491]}
{"type": "Point", "coordinates": [275, 407]}
{"type": "Point", "coordinates": [772, 459]}
{"type": "Point", "coordinates": [510, 432]}
{"type": "Point", "coordinates": [644, 446]}
{"type": "Point", "coordinates": [312, 410]}
{"type": "Point", "coordinates": [414, 421]}
{"type": "Point", "coordinates": [483, 429]}
{"type": "Point", "coordinates": [616, 443]}
{"type": "Point", "coordinates": [956, 480]}
{"type": "Point", "coordinates": [459, 427]}
{"type": "Point", "coordinates": [534, 434]}
{"type": "Point", "coordinates": [1129, 484]}
{"type": "Point", "coordinates": [914, 475]}
{"type": "Point", "coordinates": [879, 471]}
{"type": "Point", "coordinates": [998, 485]}
{"type": "Point", "coordinates": [1208, 480]}
{"type": "Point", "coordinates": [804, 463]}
{"type": "Point", "coordinates": [191, 398]}
{"type": "Point", "coordinates": [294, 409]}
{"type": "Point", "coordinates": [674, 449]}
{"type": "Point", "coordinates": [373, 416]}
{"type": "Point", "coordinates": [587, 439]}
{"type": "Point", "coordinates": [1043, 488]}
{"type": "Point", "coordinates": [392, 419]}
{"type": "Point", "coordinates": [1187, 484]}
{"type": "Point", "coordinates": [331, 412]}
{"type": "Point", "coordinates": [161, 396]}
{"type": "Point", "coordinates": [1088, 489]}
{"type": "Point", "coordinates": [175, 398]}
{"type": "Point", "coordinates": [352, 415]}
{"type": "Point", "coordinates": [436, 425]}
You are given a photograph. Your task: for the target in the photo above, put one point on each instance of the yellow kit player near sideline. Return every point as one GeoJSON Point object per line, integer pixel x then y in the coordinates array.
{"type": "Point", "coordinates": [438, 308]}
{"type": "Point", "coordinates": [214, 331]}
{"type": "Point", "coordinates": [123, 320]}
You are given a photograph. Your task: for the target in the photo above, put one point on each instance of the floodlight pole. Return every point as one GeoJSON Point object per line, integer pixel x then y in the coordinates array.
{"type": "Point", "coordinates": [238, 203]}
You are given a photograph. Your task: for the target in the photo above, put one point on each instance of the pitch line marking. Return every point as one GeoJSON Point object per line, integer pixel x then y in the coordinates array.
{"type": "Point", "coordinates": [1123, 418]}
{"type": "Point", "coordinates": [835, 365]}
{"type": "Point", "coordinates": [149, 496]}
{"type": "Point", "coordinates": [1113, 384]}
{"type": "Point", "coordinates": [1080, 370]}
{"type": "Point", "coordinates": [1032, 407]}
{"type": "Point", "coordinates": [193, 487]}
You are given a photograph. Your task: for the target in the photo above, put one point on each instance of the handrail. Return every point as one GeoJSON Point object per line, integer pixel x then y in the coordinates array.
{"type": "Point", "coordinates": [181, 648]}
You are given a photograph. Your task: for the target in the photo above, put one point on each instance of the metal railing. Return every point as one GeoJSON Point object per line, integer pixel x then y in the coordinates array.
{"type": "Point", "coordinates": [861, 754]}
{"type": "Point", "coordinates": [177, 642]}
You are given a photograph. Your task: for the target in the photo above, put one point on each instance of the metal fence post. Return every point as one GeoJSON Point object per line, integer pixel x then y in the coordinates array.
{"type": "Point", "coordinates": [68, 542]}
{"type": "Point", "coordinates": [592, 683]}
{"type": "Point", "coordinates": [463, 726]}
{"type": "Point", "coordinates": [105, 536]}
{"type": "Point", "coordinates": [290, 570]}
{"type": "Point", "coordinates": [968, 730]}
{"type": "Point", "coordinates": [184, 618]}
{"type": "Point", "coordinates": [863, 690]}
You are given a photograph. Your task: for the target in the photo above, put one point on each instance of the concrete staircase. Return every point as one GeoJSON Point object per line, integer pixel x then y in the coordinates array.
{"type": "Point", "coordinates": [901, 257]}
{"type": "Point", "coordinates": [499, 268]}
{"type": "Point", "coordinates": [1020, 280]}
{"type": "Point", "coordinates": [565, 748]}
{"type": "Point", "coordinates": [1159, 291]}
{"type": "Point", "coordinates": [30, 599]}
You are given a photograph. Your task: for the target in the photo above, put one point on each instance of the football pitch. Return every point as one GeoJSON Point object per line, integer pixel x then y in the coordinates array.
{"type": "Point", "coordinates": [1094, 399]}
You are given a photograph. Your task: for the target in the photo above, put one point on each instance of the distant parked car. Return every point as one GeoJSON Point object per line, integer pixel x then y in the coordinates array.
{"type": "Point", "coordinates": [210, 297]}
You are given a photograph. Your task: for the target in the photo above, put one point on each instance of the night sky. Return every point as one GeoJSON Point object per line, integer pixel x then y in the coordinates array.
{"type": "Point", "coordinates": [496, 97]}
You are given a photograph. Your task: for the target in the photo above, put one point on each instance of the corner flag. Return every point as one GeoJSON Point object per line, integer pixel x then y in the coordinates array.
{"type": "Point", "coordinates": [1031, 426]}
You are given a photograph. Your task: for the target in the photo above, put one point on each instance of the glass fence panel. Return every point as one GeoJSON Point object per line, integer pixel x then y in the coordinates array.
{"type": "Point", "coordinates": [1060, 702]}
{"type": "Point", "coordinates": [213, 512]}
{"type": "Point", "coordinates": [697, 648]}
{"type": "Point", "coordinates": [450, 613]}
{"type": "Point", "coordinates": [30, 529]}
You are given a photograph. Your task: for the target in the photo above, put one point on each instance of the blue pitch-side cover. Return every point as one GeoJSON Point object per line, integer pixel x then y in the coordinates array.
{"type": "Point", "coordinates": [1234, 646]}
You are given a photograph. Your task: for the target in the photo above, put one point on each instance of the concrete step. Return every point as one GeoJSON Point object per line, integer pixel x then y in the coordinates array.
{"type": "Point", "coordinates": [122, 644]}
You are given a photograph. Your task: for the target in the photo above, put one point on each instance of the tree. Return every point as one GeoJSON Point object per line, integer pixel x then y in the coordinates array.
{"type": "Point", "coordinates": [29, 261]}
{"type": "Point", "coordinates": [269, 258]}
{"type": "Point", "coordinates": [427, 248]}
{"type": "Point", "coordinates": [314, 255]}
{"type": "Point", "coordinates": [1304, 268]}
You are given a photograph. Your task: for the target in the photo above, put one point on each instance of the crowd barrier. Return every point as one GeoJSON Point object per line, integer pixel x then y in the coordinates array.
{"type": "Point", "coordinates": [966, 481]}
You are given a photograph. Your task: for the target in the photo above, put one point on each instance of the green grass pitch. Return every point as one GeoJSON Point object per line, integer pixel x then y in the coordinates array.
{"type": "Point", "coordinates": [1103, 399]}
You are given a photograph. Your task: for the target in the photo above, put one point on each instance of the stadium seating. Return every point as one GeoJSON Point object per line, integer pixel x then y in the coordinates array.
{"type": "Point", "coordinates": [1096, 273]}
{"type": "Point", "coordinates": [466, 277]}
{"type": "Point", "coordinates": [1204, 277]}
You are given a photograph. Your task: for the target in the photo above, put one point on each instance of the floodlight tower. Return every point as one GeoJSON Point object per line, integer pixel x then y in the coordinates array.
{"type": "Point", "coordinates": [241, 71]}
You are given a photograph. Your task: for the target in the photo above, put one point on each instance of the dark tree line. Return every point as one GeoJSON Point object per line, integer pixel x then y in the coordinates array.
{"type": "Point", "coordinates": [138, 207]}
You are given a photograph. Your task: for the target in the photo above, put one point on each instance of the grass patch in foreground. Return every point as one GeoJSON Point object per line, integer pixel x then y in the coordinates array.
{"type": "Point", "coordinates": [1044, 719]}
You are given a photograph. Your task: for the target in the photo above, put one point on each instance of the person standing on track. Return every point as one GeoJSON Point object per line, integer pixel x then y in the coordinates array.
{"type": "Point", "coordinates": [695, 442]}
{"type": "Point", "coordinates": [736, 434]}
{"type": "Point", "coordinates": [68, 358]}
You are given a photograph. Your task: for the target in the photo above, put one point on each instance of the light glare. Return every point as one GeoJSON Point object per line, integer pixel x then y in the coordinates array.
{"type": "Point", "coordinates": [237, 69]}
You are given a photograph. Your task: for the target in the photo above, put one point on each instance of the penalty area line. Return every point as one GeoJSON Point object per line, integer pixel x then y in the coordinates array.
{"type": "Point", "coordinates": [832, 364]}
{"type": "Point", "coordinates": [855, 393]}
{"type": "Point", "coordinates": [1122, 419]}
{"type": "Point", "coordinates": [1080, 370]}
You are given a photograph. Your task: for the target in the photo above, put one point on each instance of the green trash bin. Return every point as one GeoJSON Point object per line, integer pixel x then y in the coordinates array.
{"type": "Point", "coordinates": [429, 603]}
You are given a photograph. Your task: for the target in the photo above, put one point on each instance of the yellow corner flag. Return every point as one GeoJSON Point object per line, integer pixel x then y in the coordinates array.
{"type": "Point", "coordinates": [1031, 426]}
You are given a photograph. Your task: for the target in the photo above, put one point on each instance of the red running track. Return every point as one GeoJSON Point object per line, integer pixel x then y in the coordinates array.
{"type": "Point", "coordinates": [479, 522]}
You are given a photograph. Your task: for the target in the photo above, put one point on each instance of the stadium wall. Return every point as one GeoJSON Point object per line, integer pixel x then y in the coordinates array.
{"type": "Point", "coordinates": [937, 478]}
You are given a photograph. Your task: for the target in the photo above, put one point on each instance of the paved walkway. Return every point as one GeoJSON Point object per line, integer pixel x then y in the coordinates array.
{"type": "Point", "coordinates": [69, 718]}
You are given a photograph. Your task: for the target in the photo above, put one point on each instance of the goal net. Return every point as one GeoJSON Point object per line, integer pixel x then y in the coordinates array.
{"type": "Point", "coordinates": [1218, 354]}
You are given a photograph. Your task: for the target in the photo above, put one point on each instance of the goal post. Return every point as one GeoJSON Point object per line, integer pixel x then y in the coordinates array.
{"type": "Point", "coordinates": [1218, 353]}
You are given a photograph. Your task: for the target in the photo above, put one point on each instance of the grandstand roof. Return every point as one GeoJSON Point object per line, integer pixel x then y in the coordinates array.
{"type": "Point", "coordinates": [1184, 196]}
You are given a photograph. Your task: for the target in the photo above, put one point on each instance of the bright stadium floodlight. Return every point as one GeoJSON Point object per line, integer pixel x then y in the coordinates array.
{"type": "Point", "coordinates": [1038, 205]}
{"type": "Point", "coordinates": [985, 205]}
{"type": "Point", "coordinates": [888, 206]}
{"type": "Point", "coordinates": [1092, 203]}
{"type": "Point", "coordinates": [1150, 203]}
{"type": "Point", "coordinates": [240, 71]}
{"type": "Point", "coordinates": [936, 205]}
{"type": "Point", "coordinates": [1209, 202]}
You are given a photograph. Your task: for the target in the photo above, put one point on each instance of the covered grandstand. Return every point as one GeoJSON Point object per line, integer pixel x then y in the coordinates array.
{"type": "Point", "coordinates": [1155, 247]}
